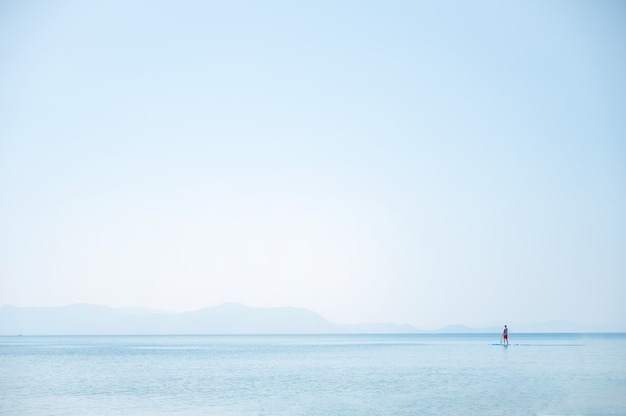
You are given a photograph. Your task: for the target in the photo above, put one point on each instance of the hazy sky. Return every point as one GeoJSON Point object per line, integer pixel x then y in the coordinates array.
{"type": "Point", "coordinates": [427, 163]}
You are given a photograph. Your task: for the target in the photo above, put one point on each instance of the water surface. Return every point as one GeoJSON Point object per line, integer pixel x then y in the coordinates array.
{"type": "Point", "coordinates": [565, 374]}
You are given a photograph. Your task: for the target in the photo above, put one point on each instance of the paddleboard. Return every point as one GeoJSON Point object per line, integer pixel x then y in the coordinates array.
{"type": "Point", "coordinates": [503, 345]}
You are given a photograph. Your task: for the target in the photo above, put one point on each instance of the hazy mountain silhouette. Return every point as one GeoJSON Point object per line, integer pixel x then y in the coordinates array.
{"type": "Point", "coordinates": [537, 327]}
{"type": "Point", "coordinates": [228, 318]}
{"type": "Point", "coordinates": [235, 318]}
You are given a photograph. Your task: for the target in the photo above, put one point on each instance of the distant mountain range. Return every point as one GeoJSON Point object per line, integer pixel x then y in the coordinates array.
{"type": "Point", "coordinates": [228, 318]}
{"type": "Point", "coordinates": [536, 327]}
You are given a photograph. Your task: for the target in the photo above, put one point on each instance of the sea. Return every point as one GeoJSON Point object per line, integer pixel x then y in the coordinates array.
{"type": "Point", "coordinates": [416, 374]}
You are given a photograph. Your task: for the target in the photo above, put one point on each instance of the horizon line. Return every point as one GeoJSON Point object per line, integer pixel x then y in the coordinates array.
{"type": "Point", "coordinates": [463, 328]}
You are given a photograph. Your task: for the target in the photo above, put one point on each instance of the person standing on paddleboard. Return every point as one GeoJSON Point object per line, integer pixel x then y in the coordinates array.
{"type": "Point", "coordinates": [505, 335]}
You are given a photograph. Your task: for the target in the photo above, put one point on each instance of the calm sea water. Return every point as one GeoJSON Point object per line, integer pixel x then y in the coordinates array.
{"type": "Point", "coordinates": [313, 375]}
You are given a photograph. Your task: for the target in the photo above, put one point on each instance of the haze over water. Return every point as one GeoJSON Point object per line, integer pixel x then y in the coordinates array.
{"type": "Point", "coordinates": [415, 162]}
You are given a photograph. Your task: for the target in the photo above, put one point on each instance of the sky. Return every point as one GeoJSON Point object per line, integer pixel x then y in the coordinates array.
{"type": "Point", "coordinates": [417, 162]}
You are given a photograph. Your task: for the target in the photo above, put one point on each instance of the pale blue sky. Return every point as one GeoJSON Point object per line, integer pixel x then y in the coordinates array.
{"type": "Point", "coordinates": [417, 162]}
